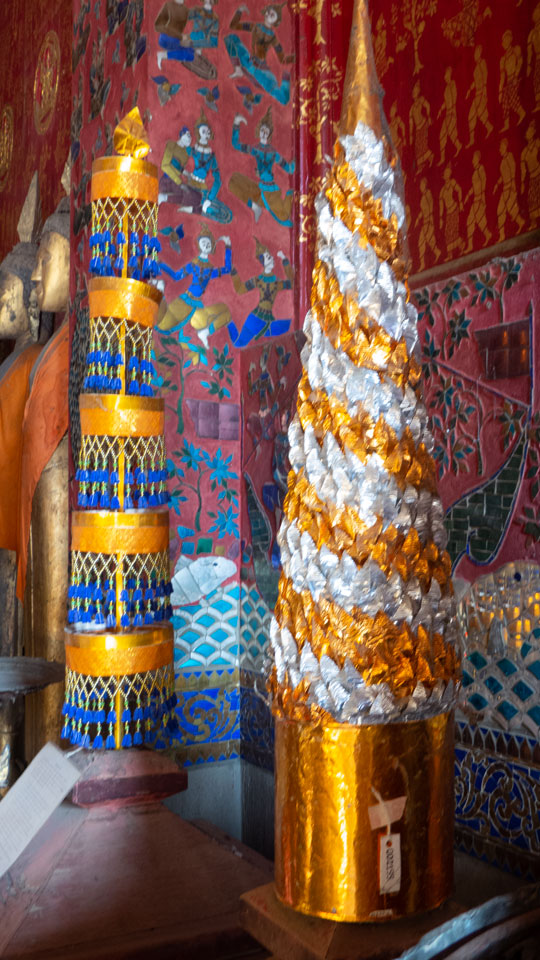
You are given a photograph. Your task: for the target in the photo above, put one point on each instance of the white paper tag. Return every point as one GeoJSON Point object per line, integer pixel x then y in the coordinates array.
{"type": "Point", "coordinates": [389, 862]}
{"type": "Point", "coordinates": [32, 799]}
{"type": "Point", "coordinates": [385, 812]}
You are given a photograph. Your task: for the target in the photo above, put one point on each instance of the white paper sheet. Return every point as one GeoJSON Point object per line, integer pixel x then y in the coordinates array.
{"type": "Point", "coordinates": [32, 799]}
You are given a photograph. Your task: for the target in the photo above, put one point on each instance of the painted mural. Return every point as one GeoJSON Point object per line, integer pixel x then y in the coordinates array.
{"type": "Point", "coordinates": [34, 108]}
{"type": "Point", "coordinates": [465, 127]}
{"type": "Point", "coordinates": [479, 343]}
{"type": "Point", "coordinates": [470, 133]}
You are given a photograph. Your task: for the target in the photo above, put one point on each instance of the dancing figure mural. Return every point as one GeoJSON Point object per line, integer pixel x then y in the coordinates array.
{"type": "Point", "coordinates": [184, 32]}
{"type": "Point", "coordinates": [194, 191]}
{"type": "Point", "coordinates": [263, 39]}
{"type": "Point", "coordinates": [263, 193]}
{"type": "Point", "coordinates": [261, 321]}
{"type": "Point", "coordinates": [188, 308]}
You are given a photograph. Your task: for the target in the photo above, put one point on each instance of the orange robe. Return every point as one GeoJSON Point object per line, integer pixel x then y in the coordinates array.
{"type": "Point", "coordinates": [13, 397]}
{"type": "Point", "coordinates": [45, 423]}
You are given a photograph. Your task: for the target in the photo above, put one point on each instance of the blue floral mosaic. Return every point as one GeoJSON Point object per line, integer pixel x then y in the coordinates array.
{"type": "Point", "coordinates": [498, 798]}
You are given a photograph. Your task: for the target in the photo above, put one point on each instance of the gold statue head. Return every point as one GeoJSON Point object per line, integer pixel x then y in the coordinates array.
{"type": "Point", "coordinates": [51, 273]}
{"type": "Point", "coordinates": [15, 292]}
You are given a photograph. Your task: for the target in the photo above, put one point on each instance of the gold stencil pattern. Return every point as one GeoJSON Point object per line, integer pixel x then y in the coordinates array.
{"type": "Point", "coordinates": [46, 82]}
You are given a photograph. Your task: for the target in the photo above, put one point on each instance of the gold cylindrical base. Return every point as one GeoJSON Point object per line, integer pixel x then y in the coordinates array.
{"type": "Point", "coordinates": [364, 818]}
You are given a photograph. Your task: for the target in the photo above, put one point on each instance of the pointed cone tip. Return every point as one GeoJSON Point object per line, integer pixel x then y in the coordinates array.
{"type": "Point", "coordinates": [130, 138]}
{"type": "Point", "coordinates": [361, 90]}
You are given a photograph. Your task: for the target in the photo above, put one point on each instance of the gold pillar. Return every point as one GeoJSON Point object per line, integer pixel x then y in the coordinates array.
{"type": "Point", "coordinates": [45, 602]}
{"type": "Point", "coordinates": [364, 817]}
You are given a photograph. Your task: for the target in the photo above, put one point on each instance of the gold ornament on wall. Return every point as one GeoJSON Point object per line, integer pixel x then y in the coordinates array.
{"type": "Point", "coordinates": [46, 82]}
{"type": "Point", "coordinates": [6, 144]}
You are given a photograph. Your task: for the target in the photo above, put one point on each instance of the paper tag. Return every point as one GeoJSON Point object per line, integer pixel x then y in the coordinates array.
{"type": "Point", "coordinates": [32, 799]}
{"type": "Point", "coordinates": [389, 862]}
{"type": "Point", "coordinates": [385, 812]}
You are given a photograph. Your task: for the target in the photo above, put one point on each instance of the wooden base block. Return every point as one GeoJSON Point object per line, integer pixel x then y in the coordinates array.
{"type": "Point", "coordinates": [289, 935]}
{"type": "Point", "coordinates": [126, 777]}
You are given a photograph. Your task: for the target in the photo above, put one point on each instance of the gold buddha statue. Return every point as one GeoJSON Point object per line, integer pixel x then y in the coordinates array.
{"type": "Point", "coordinates": [43, 556]}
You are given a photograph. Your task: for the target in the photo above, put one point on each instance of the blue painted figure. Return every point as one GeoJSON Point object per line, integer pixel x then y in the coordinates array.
{"type": "Point", "coordinates": [264, 194]}
{"type": "Point", "coordinates": [189, 306]}
{"type": "Point", "coordinates": [196, 191]}
{"type": "Point", "coordinates": [184, 45]}
{"type": "Point", "coordinates": [261, 322]}
{"type": "Point", "coordinates": [263, 39]}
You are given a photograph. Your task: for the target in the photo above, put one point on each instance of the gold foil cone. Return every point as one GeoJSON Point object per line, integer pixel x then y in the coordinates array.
{"type": "Point", "coordinates": [364, 818]}
{"type": "Point", "coordinates": [130, 138]}
{"type": "Point", "coordinates": [361, 90]}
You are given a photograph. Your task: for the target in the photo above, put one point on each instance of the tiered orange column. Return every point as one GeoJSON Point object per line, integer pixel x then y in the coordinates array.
{"type": "Point", "coordinates": [119, 645]}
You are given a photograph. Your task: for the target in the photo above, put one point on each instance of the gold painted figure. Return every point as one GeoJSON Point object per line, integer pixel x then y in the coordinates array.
{"type": "Point", "coordinates": [478, 90]}
{"type": "Point", "coordinates": [426, 237]}
{"type": "Point", "coordinates": [477, 213]}
{"type": "Point", "coordinates": [530, 168]}
{"type": "Point", "coordinates": [382, 60]}
{"type": "Point", "coordinates": [533, 55]}
{"type": "Point", "coordinates": [511, 63]}
{"type": "Point", "coordinates": [461, 28]}
{"type": "Point", "coordinates": [508, 205]}
{"type": "Point", "coordinates": [450, 199]}
{"type": "Point", "coordinates": [419, 125]}
{"type": "Point", "coordinates": [449, 130]}
{"type": "Point", "coordinates": [397, 130]}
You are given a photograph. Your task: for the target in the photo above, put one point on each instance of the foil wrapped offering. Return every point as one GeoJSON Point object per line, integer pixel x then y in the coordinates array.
{"type": "Point", "coordinates": [130, 139]}
{"type": "Point", "coordinates": [364, 628]}
{"type": "Point", "coordinates": [364, 643]}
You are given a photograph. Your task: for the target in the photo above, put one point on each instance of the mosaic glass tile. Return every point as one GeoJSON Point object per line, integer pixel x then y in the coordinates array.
{"type": "Point", "coordinates": [498, 801]}
{"type": "Point", "coordinates": [256, 723]}
{"type": "Point", "coordinates": [255, 620]}
{"type": "Point", "coordinates": [208, 715]}
{"type": "Point", "coordinates": [500, 620]}
{"type": "Point", "coordinates": [225, 629]}
{"type": "Point", "coordinates": [206, 633]}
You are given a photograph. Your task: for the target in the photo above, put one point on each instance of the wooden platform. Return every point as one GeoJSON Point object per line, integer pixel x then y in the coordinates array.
{"type": "Point", "coordinates": [289, 935]}
{"type": "Point", "coordinates": [124, 877]}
